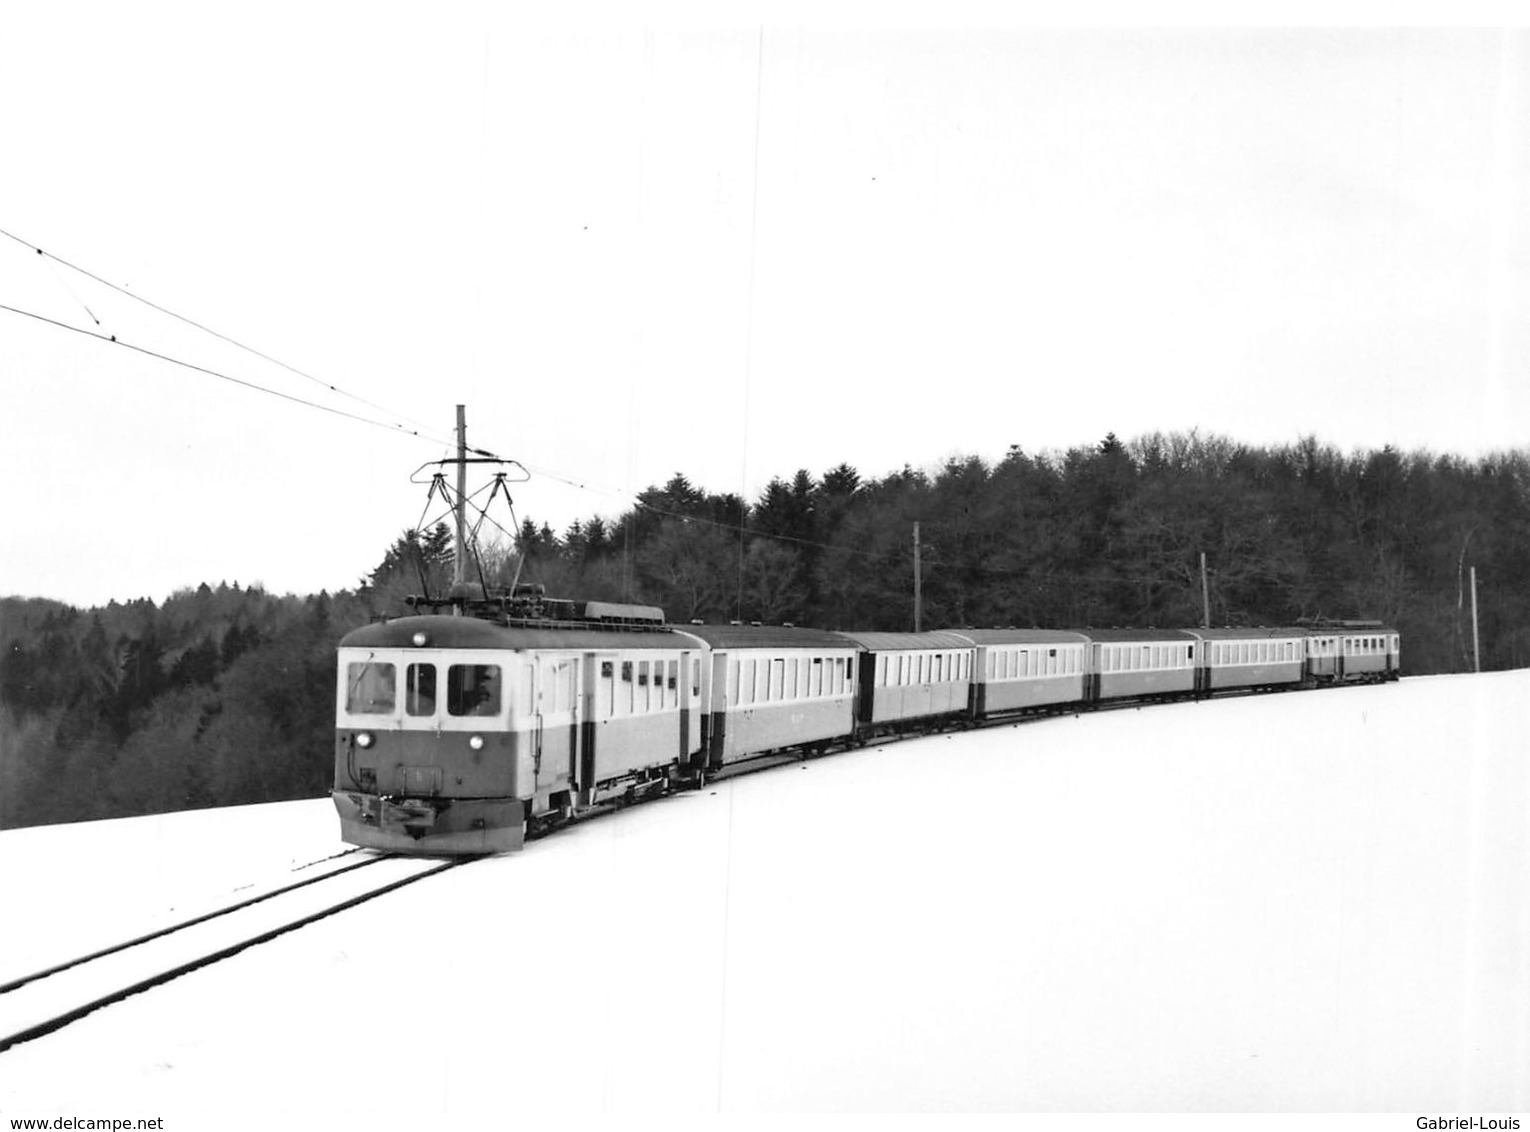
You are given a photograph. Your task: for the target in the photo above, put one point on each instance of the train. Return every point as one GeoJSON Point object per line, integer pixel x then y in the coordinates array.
{"type": "Point", "coordinates": [461, 730]}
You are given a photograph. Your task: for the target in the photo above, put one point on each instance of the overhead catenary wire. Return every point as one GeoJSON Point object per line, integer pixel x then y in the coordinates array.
{"type": "Point", "coordinates": [420, 433]}
{"type": "Point", "coordinates": [113, 340]}
{"type": "Point", "coordinates": [204, 328]}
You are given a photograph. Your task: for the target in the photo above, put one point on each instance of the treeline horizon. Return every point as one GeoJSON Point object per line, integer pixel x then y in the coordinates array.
{"type": "Point", "coordinates": [224, 695]}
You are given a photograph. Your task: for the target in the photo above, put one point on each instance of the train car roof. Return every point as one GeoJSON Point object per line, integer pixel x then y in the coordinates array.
{"type": "Point", "coordinates": [1253, 633]}
{"type": "Point", "coordinates": [1113, 635]}
{"type": "Point", "coordinates": [442, 632]}
{"type": "Point", "coordinates": [764, 636]}
{"type": "Point", "coordinates": [1021, 636]}
{"type": "Point", "coordinates": [883, 642]}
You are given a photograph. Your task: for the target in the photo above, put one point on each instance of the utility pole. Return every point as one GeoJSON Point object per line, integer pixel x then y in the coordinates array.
{"type": "Point", "coordinates": [459, 564]}
{"type": "Point", "coordinates": [918, 596]}
{"type": "Point", "coordinates": [1205, 596]}
{"type": "Point", "coordinates": [1476, 654]}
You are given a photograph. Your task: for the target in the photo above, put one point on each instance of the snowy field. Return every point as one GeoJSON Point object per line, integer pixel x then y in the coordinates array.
{"type": "Point", "coordinates": [1315, 902]}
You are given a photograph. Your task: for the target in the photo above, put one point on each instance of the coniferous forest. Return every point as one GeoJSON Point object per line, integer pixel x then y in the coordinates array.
{"type": "Point", "coordinates": [224, 695]}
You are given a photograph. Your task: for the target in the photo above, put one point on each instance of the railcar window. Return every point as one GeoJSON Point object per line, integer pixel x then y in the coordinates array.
{"type": "Point", "coordinates": [420, 689]}
{"type": "Point", "coordinates": [369, 688]}
{"type": "Point", "coordinates": [557, 685]}
{"type": "Point", "coordinates": [672, 684]}
{"type": "Point", "coordinates": [523, 702]}
{"type": "Point", "coordinates": [696, 678]}
{"type": "Point", "coordinates": [746, 682]}
{"type": "Point", "coordinates": [472, 689]}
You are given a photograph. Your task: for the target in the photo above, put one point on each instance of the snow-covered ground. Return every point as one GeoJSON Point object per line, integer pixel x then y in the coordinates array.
{"type": "Point", "coordinates": [1293, 902]}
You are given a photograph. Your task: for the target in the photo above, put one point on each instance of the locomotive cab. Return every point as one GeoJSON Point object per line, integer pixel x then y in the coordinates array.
{"type": "Point", "coordinates": [424, 747]}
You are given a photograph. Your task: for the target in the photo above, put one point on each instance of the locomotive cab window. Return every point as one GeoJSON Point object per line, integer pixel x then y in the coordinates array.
{"type": "Point", "coordinates": [472, 689]}
{"type": "Point", "coordinates": [369, 688]}
{"type": "Point", "coordinates": [420, 689]}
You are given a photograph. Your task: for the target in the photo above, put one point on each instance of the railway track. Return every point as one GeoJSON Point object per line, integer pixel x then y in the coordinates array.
{"type": "Point", "coordinates": [50, 999]}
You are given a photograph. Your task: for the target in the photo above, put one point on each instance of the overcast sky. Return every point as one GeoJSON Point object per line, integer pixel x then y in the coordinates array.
{"type": "Point", "coordinates": [730, 251]}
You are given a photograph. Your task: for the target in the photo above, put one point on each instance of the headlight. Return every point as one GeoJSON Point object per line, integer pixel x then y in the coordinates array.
{"type": "Point", "coordinates": [476, 742]}
{"type": "Point", "coordinates": [419, 639]}
{"type": "Point", "coordinates": [363, 739]}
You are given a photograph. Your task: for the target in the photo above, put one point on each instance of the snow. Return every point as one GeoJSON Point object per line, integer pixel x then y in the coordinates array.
{"type": "Point", "coordinates": [1310, 902]}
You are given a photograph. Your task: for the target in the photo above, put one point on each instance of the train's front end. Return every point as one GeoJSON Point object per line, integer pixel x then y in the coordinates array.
{"type": "Point", "coordinates": [425, 758]}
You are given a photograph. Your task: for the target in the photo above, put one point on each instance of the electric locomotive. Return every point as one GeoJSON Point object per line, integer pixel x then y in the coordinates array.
{"type": "Point", "coordinates": [455, 732]}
